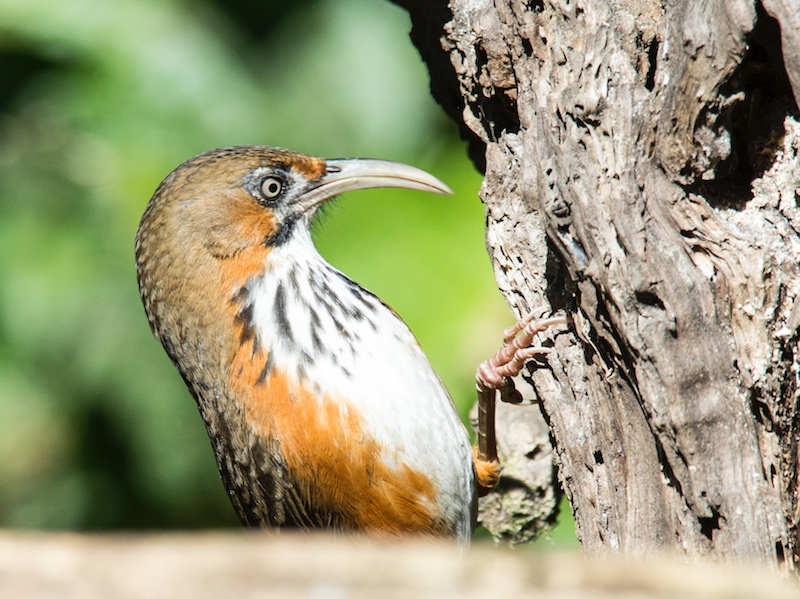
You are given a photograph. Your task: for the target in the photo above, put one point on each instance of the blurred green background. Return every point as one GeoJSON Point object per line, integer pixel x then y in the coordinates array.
{"type": "Point", "coordinates": [101, 100]}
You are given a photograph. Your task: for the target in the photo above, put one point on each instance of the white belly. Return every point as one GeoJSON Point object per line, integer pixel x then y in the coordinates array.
{"type": "Point", "coordinates": [343, 342]}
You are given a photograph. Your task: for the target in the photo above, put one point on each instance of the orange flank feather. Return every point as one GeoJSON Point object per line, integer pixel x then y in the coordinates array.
{"type": "Point", "coordinates": [329, 456]}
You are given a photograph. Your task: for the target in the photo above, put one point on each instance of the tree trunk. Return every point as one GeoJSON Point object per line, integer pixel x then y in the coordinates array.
{"type": "Point", "coordinates": [641, 172]}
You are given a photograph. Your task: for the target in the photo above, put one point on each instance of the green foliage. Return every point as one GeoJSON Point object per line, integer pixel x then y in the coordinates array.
{"type": "Point", "coordinates": [98, 102]}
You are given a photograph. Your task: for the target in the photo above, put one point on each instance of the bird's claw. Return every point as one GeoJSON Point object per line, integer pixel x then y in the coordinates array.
{"type": "Point", "coordinates": [495, 375]}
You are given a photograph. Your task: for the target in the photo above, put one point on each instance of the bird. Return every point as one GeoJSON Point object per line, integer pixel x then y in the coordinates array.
{"type": "Point", "coordinates": [322, 410]}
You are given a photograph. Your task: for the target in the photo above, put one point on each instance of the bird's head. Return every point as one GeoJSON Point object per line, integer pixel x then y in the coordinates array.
{"type": "Point", "coordinates": [212, 223]}
{"type": "Point", "coordinates": [235, 197]}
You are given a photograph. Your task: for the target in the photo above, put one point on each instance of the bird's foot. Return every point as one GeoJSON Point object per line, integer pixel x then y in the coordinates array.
{"type": "Point", "coordinates": [495, 374]}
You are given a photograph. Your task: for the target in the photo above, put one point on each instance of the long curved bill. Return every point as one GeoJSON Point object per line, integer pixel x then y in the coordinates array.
{"type": "Point", "coordinates": [351, 174]}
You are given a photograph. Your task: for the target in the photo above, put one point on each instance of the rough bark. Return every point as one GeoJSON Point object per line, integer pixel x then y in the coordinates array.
{"type": "Point", "coordinates": [641, 162]}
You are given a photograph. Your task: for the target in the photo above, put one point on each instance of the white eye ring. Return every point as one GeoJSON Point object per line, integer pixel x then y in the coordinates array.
{"type": "Point", "coordinates": [271, 187]}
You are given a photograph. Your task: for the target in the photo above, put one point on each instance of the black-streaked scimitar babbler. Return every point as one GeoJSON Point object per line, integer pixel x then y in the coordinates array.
{"type": "Point", "coordinates": [320, 405]}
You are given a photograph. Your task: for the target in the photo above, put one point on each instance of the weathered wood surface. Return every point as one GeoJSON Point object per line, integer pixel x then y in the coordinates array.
{"type": "Point", "coordinates": [641, 164]}
{"type": "Point", "coordinates": [251, 565]}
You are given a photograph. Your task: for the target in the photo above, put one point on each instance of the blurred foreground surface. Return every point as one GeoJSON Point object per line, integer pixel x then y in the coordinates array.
{"type": "Point", "coordinates": [257, 565]}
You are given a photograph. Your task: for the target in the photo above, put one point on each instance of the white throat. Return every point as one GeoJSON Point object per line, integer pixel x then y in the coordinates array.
{"type": "Point", "coordinates": [315, 321]}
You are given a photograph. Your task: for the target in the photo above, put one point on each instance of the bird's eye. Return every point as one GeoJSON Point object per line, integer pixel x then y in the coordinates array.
{"type": "Point", "coordinates": [271, 187]}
